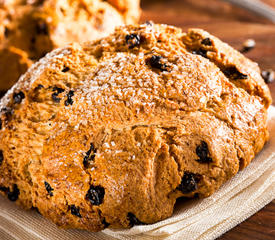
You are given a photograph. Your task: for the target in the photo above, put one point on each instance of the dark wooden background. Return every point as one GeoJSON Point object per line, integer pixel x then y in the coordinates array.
{"type": "Point", "coordinates": [232, 25]}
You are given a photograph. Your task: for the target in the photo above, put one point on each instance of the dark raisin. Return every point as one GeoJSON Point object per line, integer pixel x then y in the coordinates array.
{"type": "Point", "coordinates": [0, 123]}
{"type": "Point", "coordinates": [95, 195]}
{"type": "Point", "coordinates": [48, 188]}
{"type": "Point", "coordinates": [188, 183]}
{"type": "Point", "coordinates": [268, 76]}
{"type": "Point", "coordinates": [248, 45]}
{"type": "Point", "coordinates": [106, 224]}
{"type": "Point", "coordinates": [13, 196]}
{"type": "Point", "coordinates": [18, 97]}
{"type": "Point", "coordinates": [201, 52]}
{"type": "Point", "coordinates": [133, 220]}
{"type": "Point", "coordinates": [38, 87]}
{"type": "Point", "coordinates": [203, 153]}
{"type": "Point", "coordinates": [90, 156]}
{"type": "Point", "coordinates": [233, 72]}
{"type": "Point", "coordinates": [8, 112]}
{"type": "Point", "coordinates": [206, 42]}
{"type": "Point", "coordinates": [6, 32]}
{"type": "Point", "coordinates": [42, 28]}
{"type": "Point", "coordinates": [69, 100]}
{"type": "Point", "coordinates": [156, 62]}
{"type": "Point", "coordinates": [65, 69]}
{"type": "Point", "coordinates": [1, 157]}
{"type": "Point", "coordinates": [55, 98]}
{"type": "Point", "coordinates": [132, 40]}
{"type": "Point", "coordinates": [75, 211]}
{"type": "Point", "coordinates": [57, 91]}
{"type": "Point", "coordinates": [4, 189]}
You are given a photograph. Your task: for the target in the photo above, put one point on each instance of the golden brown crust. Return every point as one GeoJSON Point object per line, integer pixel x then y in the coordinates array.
{"type": "Point", "coordinates": [45, 25]}
{"type": "Point", "coordinates": [227, 58]}
{"type": "Point", "coordinates": [111, 133]}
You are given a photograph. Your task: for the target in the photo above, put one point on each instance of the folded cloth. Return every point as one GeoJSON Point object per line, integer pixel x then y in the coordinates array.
{"type": "Point", "coordinates": [238, 199]}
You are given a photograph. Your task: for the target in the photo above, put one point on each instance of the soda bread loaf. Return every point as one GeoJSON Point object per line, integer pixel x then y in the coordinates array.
{"type": "Point", "coordinates": [31, 28]}
{"type": "Point", "coordinates": [110, 133]}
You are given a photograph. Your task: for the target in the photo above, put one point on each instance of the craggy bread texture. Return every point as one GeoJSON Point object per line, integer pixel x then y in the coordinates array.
{"type": "Point", "coordinates": [35, 27]}
{"type": "Point", "coordinates": [112, 132]}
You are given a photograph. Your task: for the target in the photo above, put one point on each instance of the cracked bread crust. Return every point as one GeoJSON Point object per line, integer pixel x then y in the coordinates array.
{"type": "Point", "coordinates": [37, 27]}
{"type": "Point", "coordinates": [110, 133]}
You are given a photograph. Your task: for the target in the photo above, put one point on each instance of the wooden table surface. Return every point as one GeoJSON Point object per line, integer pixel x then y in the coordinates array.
{"type": "Point", "coordinates": [232, 25]}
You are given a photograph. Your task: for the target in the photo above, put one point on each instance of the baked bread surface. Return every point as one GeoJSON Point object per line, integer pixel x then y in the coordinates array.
{"type": "Point", "coordinates": [110, 133]}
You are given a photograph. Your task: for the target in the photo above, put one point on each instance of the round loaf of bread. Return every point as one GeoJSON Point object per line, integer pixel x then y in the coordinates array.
{"type": "Point", "coordinates": [36, 27]}
{"type": "Point", "coordinates": [110, 133]}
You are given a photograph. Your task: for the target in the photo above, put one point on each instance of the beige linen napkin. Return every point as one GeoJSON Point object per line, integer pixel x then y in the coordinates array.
{"type": "Point", "coordinates": [242, 196]}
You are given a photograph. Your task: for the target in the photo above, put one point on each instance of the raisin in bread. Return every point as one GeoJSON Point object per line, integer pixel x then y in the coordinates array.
{"type": "Point", "coordinates": [112, 132]}
{"type": "Point", "coordinates": [36, 27]}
